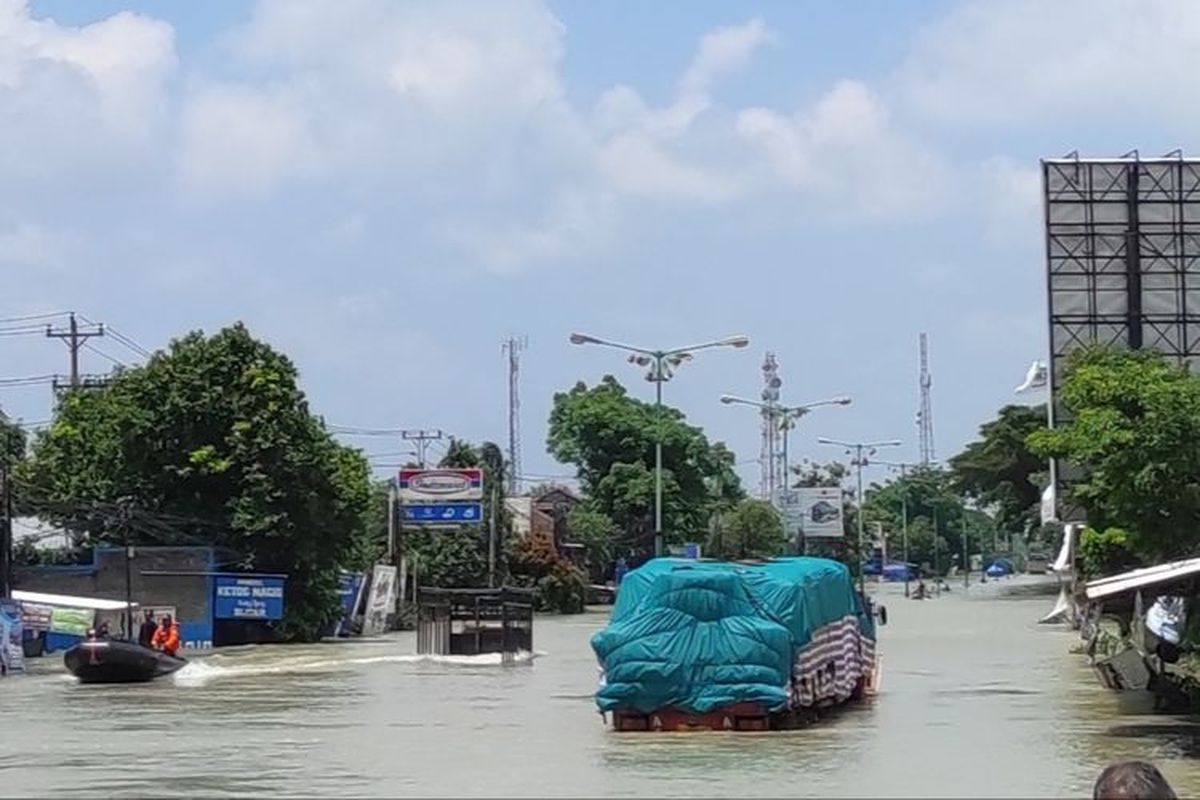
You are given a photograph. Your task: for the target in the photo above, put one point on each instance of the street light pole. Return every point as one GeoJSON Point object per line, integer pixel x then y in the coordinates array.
{"type": "Point", "coordinates": [658, 469]}
{"type": "Point", "coordinates": [661, 364]}
{"type": "Point", "coordinates": [862, 451]}
{"type": "Point", "coordinates": [788, 416]}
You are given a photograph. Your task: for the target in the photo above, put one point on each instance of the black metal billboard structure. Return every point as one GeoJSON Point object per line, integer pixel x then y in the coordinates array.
{"type": "Point", "coordinates": [1123, 259]}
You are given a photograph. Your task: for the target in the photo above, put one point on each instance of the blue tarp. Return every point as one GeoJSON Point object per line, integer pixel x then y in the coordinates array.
{"type": "Point", "coordinates": [700, 635]}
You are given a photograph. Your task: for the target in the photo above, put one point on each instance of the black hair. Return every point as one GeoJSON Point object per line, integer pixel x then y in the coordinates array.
{"type": "Point", "coordinates": [1132, 780]}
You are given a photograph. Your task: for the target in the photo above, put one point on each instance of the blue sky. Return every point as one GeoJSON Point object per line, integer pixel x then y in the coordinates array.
{"type": "Point", "coordinates": [387, 190]}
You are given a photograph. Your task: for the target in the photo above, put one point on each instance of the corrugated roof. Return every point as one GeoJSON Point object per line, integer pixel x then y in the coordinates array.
{"type": "Point", "coordinates": [1141, 578]}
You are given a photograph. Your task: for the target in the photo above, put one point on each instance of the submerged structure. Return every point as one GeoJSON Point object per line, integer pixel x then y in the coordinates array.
{"type": "Point", "coordinates": [734, 646]}
{"type": "Point", "coordinates": [471, 622]}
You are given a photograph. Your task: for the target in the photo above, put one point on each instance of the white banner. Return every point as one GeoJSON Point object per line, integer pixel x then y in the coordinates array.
{"type": "Point", "coordinates": [821, 512]}
{"type": "Point", "coordinates": [381, 601]}
{"type": "Point", "coordinates": [1049, 514]}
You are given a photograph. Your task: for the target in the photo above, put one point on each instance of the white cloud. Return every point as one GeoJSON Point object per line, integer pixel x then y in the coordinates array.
{"type": "Point", "coordinates": [1026, 61]}
{"type": "Point", "coordinates": [243, 140]}
{"type": "Point", "coordinates": [721, 51]}
{"type": "Point", "coordinates": [1013, 196]}
{"type": "Point", "coordinates": [846, 147]}
{"type": "Point", "coordinates": [73, 97]}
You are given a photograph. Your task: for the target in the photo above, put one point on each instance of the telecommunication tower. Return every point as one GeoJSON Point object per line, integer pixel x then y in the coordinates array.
{"type": "Point", "coordinates": [771, 457]}
{"type": "Point", "coordinates": [925, 414]}
{"type": "Point", "coordinates": [513, 349]}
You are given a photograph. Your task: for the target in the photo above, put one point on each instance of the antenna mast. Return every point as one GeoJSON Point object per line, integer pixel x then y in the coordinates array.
{"type": "Point", "coordinates": [514, 347]}
{"type": "Point", "coordinates": [925, 414]}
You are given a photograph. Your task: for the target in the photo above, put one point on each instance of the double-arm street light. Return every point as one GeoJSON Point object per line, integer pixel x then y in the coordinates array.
{"type": "Point", "coordinates": [787, 416]}
{"type": "Point", "coordinates": [861, 451]}
{"type": "Point", "coordinates": [661, 366]}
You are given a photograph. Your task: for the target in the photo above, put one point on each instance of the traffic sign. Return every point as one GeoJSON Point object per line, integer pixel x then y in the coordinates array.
{"type": "Point", "coordinates": [443, 513]}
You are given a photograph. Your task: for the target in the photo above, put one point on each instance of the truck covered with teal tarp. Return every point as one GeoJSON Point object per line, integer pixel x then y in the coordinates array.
{"type": "Point", "coordinates": [696, 637]}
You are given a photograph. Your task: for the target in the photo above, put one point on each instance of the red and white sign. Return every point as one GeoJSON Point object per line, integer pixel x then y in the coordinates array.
{"type": "Point", "coordinates": [440, 485]}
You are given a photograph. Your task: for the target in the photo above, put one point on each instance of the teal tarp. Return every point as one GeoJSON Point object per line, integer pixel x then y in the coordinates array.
{"type": "Point", "coordinates": [700, 635]}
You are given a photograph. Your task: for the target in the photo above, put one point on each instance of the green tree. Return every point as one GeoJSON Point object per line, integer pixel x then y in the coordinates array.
{"type": "Point", "coordinates": [610, 438]}
{"type": "Point", "coordinates": [1134, 431]}
{"type": "Point", "coordinates": [211, 442]}
{"type": "Point", "coordinates": [753, 529]}
{"type": "Point", "coordinates": [938, 519]}
{"type": "Point", "coordinates": [600, 537]}
{"type": "Point", "coordinates": [1001, 471]}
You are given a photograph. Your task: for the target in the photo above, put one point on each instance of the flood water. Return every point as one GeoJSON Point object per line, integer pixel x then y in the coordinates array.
{"type": "Point", "coordinates": [977, 701]}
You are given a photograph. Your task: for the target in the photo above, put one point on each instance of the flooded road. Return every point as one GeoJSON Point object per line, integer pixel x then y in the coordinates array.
{"type": "Point", "coordinates": [977, 700]}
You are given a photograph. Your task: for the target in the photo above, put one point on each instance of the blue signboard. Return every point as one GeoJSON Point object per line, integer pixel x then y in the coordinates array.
{"type": "Point", "coordinates": [443, 513]}
{"type": "Point", "coordinates": [350, 585]}
{"type": "Point", "coordinates": [691, 550]}
{"type": "Point", "coordinates": [248, 597]}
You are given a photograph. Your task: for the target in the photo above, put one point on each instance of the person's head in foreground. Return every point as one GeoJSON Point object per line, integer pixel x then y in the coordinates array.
{"type": "Point", "coordinates": [1132, 780]}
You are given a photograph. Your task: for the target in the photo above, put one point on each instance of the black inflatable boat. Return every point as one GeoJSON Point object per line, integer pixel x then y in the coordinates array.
{"type": "Point", "coordinates": [115, 661]}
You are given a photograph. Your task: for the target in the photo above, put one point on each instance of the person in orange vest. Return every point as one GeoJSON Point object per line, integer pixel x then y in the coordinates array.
{"type": "Point", "coordinates": [166, 638]}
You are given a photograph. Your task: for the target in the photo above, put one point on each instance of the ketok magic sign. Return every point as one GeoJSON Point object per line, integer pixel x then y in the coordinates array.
{"type": "Point", "coordinates": [248, 597]}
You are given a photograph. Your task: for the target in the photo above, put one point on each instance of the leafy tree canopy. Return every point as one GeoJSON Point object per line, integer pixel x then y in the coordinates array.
{"type": "Point", "coordinates": [210, 442]}
{"type": "Point", "coordinates": [1134, 430]}
{"type": "Point", "coordinates": [753, 529]}
{"type": "Point", "coordinates": [1001, 471]}
{"type": "Point", "coordinates": [610, 438]}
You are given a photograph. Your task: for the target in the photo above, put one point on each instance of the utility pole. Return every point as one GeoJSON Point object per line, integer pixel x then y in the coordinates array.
{"type": "Point", "coordinates": [75, 339]}
{"type": "Point", "coordinates": [513, 347]}
{"type": "Point", "coordinates": [6, 532]}
{"type": "Point", "coordinates": [422, 438]}
{"type": "Point", "coordinates": [966, 554]}
{"type": "Point", "coordinates": [492, 535]}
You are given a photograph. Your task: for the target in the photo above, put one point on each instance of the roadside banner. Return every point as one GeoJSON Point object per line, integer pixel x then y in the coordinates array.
{"type": "Point", "coordinates": [440, 485]}
{"type": "Point", "coordinates": [381, 601]}
{"type": "Point", "coordinates": [820, 512]}
{"type": "Point", "coordinates": [11, 633]}
{"type": "Point", "coordinates": [248, 597]}
{"type": "Point", "coordinates": [350, 587]}
{"type": "Point", "coordinates": [73, 621]}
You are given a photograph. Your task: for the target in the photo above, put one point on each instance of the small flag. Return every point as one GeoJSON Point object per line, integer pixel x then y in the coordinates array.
{"type": "Point", "coordinates": [1035, 377]}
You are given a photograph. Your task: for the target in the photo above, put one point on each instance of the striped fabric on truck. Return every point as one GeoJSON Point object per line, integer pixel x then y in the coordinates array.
{"type": "Point", "coordinates": [830, 666]}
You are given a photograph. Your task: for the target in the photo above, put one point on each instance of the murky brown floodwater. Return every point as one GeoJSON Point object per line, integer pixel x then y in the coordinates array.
{"type": "Point", "coordinates": [978, 701]}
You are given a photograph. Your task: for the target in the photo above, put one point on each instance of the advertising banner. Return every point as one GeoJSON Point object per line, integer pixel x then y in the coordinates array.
{"type": "Point", "coordinates": [350, 586]}
{"type": "Point", "coordinates": [821, 512]}
{"type": "Point", "coordinates": [12, 654]}
{"type": "Point", "coordinates": [381, 601]}
{"type": "Point", "coordinates": [74, 621]}
{"type": "Point", "coordinates": [36, 617]}
{"type": "Point", "coordinates": [443, 513]}
{"type": "Point", "coordinates": [440, 485]}
{"type": "Point", "coordinates": [238, 597]}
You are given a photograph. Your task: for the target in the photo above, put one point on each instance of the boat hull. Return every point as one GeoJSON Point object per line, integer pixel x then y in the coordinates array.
{"type": "Point", "coordinates": [110, 661]}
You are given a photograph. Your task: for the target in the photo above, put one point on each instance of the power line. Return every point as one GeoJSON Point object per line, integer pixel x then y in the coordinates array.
{"type": "Point", "coordinates": [29, 380]}
{"type": "Point", "coordinates": [103, 354]}
{"type": "Point", "coordinates": [128, 341]}
{"type": "Point", "coordinates": [26, 317]}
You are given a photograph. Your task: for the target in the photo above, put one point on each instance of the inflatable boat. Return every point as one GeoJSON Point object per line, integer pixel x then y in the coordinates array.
{"type": "Point", "coordinates": [115, 661]}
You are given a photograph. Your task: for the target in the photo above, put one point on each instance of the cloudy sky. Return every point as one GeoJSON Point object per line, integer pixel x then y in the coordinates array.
{"type": "Point", "coordinates": [386, 190]}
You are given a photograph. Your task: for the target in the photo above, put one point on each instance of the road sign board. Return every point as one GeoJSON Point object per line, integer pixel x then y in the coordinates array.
{"type": "Point", "coordinates": [440, 485]}
{"type": "Point", "coordinates": [443, 513]}
{"type": "Point", "coordinates": [821, 512]}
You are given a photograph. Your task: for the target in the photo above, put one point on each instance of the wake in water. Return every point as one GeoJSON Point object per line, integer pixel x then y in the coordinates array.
{"type": "Point", "coordinates": [198, 673]}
